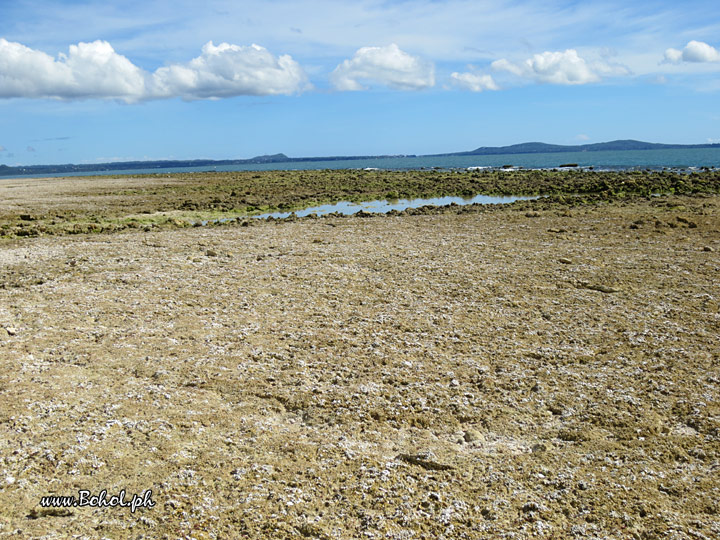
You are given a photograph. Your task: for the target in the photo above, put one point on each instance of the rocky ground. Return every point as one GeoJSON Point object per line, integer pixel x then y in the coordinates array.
{"type": "Point", "coordinates": [531, 371]}
{"type": "Point", "coordinates": [31, 207]}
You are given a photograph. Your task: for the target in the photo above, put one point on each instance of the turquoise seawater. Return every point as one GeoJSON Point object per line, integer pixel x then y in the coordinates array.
{"type": "Point", "coordinates": [611, 160]}
{"type": "Point", "coordinates": [623, 159]}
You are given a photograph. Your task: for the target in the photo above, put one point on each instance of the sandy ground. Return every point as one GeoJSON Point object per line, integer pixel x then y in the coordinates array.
{"type": "Point", "coordinates": [506, 374]}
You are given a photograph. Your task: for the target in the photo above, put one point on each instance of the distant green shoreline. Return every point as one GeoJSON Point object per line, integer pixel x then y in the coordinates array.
{"type": "Point", "coordinates": [524, 148]}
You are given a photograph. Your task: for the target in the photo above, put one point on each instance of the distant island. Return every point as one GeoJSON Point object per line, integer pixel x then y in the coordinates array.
{"type": "Point", "coordinates": [543, 148]}
{"type": "Point", "coordinates": [523, 148]}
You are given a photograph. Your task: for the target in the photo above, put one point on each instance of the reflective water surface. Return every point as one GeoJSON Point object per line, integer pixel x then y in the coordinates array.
{"type": "Point", "coordinates": [384, 206]}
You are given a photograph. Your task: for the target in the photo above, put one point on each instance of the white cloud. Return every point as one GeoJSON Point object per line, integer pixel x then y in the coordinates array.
{"type": "Point", "coordinates": [473, 81]}
{"type": "Point", "coordinates": [673, 56]}
{"type": "Point", "coordinates": [455, 32]}
{"type": "Point", "coordinates": [89, 70]}
{"type": "Point", "coordinates": [385, 65]}
{"type": "Point", "coordinates": [230, 70]}
{"type": "Point", "coordinates": [582, 137]}
{"type": "Point", "coordinates": [95, 70]}
{"type": "Point", "coordinates": [565, 67]}
{"type": "Point", "coordinates": [694, 51]}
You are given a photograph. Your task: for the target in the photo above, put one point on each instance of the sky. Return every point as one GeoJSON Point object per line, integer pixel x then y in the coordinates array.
{"type": "Point", "coordinates": [95, 81]}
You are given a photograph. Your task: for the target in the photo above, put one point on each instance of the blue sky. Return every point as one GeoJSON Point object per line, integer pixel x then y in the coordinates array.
{"type": "Point", "coordinates": [89, 81]}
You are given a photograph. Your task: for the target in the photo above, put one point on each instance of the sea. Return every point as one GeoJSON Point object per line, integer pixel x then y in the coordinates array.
{"type": "Point", "coordinates": [679, 159]}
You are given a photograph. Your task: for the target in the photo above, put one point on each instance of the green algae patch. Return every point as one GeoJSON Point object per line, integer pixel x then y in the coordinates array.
{"type": "Point", "coordinates": [52, 206]}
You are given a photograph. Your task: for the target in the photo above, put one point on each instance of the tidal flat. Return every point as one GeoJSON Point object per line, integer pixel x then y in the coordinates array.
{"type": "Point", "coordinates": [548, 368]}
{"type": "Point", "coordinates": [32, 207]}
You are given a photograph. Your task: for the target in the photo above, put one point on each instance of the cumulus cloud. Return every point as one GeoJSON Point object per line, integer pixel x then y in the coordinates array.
{"type": "Point", "coordinates": [95, 70]}
{"type": "Point", "coordinates": [694, 51]}
{"type": "Point", "coordinates": [473, 81]}
{"type": "Point", "coordinates": [89, 70]}
{"type": "Point", "coordinates": [566, 67]}
{"type": "Point", "coordinates": [385, 65]}
{"type": "Point", "coordinates": [673, 56]}
{"type": "Point", "coordinates": [230, 70]}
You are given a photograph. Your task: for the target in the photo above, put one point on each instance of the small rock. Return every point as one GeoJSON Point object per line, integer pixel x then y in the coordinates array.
{"type": "Point", "coordinates": [487, 513]}
{"type": "Point", "coordinates": [597, 287]}
{"type": "Point", "coordinates": [556, 408]}
{"type": "Point", "coordinates": [211, 253]}
{"type": "Point", "coordinates": [472, 435]}
{"type": "Point", "coordinates": [603, 288]}
{"type": "Point", "coordinates": [10, 330]}
{"type": "Point", "coordinates": [49, 512]}
{"type": "Point", "coordinates": [564, 260]}
{"type": "Point", "coordinates": [689, 223]}
{"type": "Point", "coordinates": [422, 461]}
{"type": "Point", "coordinates": [538, 448]}
{"type": "Point", "coordinates": [708, 249]}
{"type": "Point", "coordinates": [454, 382]}
{"type": "Point", "coordinates": [312, 530]}
{"type": "Point", "coordinates": [530, 507]}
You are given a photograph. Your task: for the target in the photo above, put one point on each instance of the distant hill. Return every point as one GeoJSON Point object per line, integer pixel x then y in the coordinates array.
{"type": "Point", "coordinates": [275, 158]}
{"type": "Point", "coordinates": [543, 148]}
{"type": "Point", "coordinates": [524, 148]}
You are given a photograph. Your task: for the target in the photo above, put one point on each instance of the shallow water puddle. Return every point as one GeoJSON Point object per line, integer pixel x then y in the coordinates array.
{"type": "Point", "coordinates": [384, 206]}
